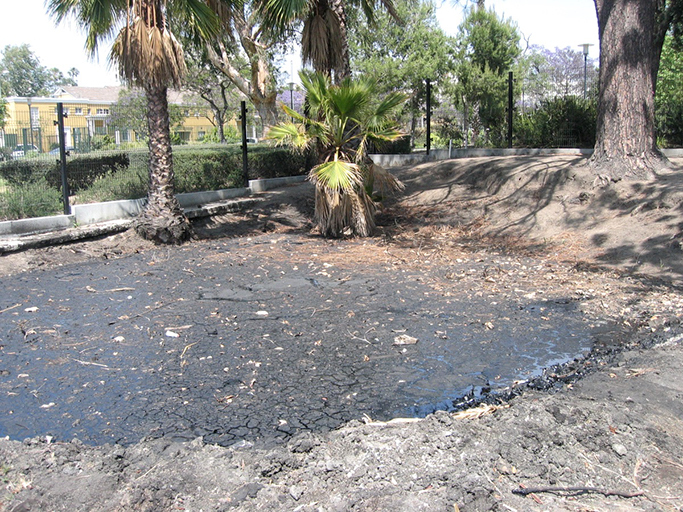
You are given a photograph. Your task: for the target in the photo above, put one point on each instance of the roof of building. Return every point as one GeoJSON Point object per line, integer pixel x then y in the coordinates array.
{"type": "Point", "coordinates": [108, 93]}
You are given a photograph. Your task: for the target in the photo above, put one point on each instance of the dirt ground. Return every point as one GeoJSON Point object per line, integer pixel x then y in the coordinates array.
{"type": "Point", "coordinates": [602, 433]}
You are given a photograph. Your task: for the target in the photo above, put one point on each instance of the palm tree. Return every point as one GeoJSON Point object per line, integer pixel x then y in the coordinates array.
{"type": "Point", "coordinates": [342, 121]}
{"type": "Point", "coordinates": [148, 56]}
{"type": "Point", "coordinates": [324, 39]}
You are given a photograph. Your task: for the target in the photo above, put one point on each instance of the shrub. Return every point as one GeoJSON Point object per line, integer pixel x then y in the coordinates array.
{"type": "Point", "coordinates": [32, 199]}
{"type": "Point", "coordinates": [83, 171]}
{"type": "Point", "coordinates": [207, 169]}
{"type": "Point", "coordinates": [130, 183]}
{"type": "Point", "coordinates": [561, 122]}
{"type": "Point", "coordinates": [400, 146]}
{"type": "Point", "coordinates": [269, 162]}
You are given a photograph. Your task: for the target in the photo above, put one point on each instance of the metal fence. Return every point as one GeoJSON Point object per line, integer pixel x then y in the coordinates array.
{"type": "Point", "coordinates": [104, 163]}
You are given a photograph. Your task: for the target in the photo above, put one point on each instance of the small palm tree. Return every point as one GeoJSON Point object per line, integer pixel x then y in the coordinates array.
{"type": "Point", "coordinates": [150, 57]}
{"type": "Point", "coordinates": [342, 120]}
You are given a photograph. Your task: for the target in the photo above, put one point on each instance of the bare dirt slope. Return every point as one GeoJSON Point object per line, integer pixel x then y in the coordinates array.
{"type": "Point", "coordinates": [612, 440]}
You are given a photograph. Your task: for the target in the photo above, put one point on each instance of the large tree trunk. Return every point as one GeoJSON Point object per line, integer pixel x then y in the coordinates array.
{"type": "Point", "coordinates": [631, 38]}
{"type": "Point", "coordinates": [162, 220]}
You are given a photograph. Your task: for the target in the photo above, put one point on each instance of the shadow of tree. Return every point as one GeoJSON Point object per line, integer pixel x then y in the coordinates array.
{"type": "Point", "coordinates": [287, 209]}
{"type": "Point", "coordinates": [634, 225]}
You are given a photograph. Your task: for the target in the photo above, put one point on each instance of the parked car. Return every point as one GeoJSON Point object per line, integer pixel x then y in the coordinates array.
{"type": "Point", "coordinates": [22, 149]}
{"type": "Point", "coordinates": [55, 151]}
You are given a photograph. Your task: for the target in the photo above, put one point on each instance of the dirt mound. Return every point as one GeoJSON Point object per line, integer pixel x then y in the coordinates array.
{"type": "Point", "coordinates": [557, 204]}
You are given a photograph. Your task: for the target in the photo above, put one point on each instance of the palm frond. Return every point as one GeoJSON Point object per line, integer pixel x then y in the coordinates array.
{"type": "Point", "coordinates": [280, 13]}
{"type": "Point", "coordinates": [148, 55]}
{"type": "Point", "coordinates": [383, 180]}
{"type": "Point", "coordinates": [337, 175]}
{"type": "Point", "coordinates": [290, 134]}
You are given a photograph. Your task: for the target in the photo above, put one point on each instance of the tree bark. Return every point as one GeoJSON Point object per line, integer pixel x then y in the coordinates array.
{"type": "Point", "coordinates": [631, 38]}
{"type": "Point", "coordinates": [162, 220]}
{"type": "Point", "coordinates": [344, 68]}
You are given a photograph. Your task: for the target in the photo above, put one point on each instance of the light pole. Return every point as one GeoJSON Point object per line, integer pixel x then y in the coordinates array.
{"type": "Point", "coordinates": [585, 47]}
{"type": "Point", "coordinates": [291, 97]}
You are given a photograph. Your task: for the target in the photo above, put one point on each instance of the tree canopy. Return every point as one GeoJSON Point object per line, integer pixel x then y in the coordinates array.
{"type": "Point", "coordinates": [401, 56]}
{"type": "Point", "coordinates": [22, 74]}
{"type": "Point", "coordinates": [487, 49]}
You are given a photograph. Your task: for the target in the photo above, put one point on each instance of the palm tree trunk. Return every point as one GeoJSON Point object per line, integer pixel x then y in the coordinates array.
{"type": "Point", "coordinates": [344, 69]}
{"type": "Point", "coordinates": [162, 221]}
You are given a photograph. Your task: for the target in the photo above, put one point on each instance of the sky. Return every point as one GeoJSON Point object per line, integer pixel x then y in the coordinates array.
{"type": "Point", "coordinates": [549, 23]}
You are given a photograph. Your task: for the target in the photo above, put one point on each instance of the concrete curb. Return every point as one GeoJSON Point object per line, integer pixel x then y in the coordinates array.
{"type": "Point", "coordinates": [98, 219]}
{"type": "Point", "coordinates": [444, 154]}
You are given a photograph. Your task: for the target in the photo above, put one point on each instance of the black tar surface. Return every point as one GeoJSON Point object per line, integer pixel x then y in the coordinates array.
{"type": "Point", "coordinates": [212, 340]}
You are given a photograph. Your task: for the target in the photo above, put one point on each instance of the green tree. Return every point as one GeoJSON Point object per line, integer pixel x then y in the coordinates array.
{"type": "Point", "coordinates": [148, 56]}
{"type": "Point", "coordinates": [342, 120]}
{"type": "Point", "coordinates": [21, 74]}
{"type": "Point", "coordinates": [213, 90]}
{"type": "Point", "coordinates": [3, 112]}
{"type": "Point", "coordinates": [487, 49]}
{"type": "Point", "coordinates": [669, 96]}
{"type": "Point", "coordinates": [130, 113]}
{"type": "Point", "coordinates": [244, 54]}
{"type": "Point", "coordinates": [400, 57]}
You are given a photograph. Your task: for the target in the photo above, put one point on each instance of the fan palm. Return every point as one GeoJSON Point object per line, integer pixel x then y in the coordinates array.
{"type": "Point", "coordinates": [342, 120]}
{"type": "Point", "coordinates": [148, 56]}
{"type": "Point", "coordinates": [324, 39]}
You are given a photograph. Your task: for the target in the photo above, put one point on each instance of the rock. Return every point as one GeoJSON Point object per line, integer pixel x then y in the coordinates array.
{"type": "Point", "coordinates": [296, 491]}
{"type": "Point", "coordinates": [404, 339]}
{"type": "Point", "coordinates": [620, 449]}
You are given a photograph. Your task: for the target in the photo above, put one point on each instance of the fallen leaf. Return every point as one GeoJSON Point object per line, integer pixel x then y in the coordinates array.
{"type": "Point", "coordinates": [31, 309]}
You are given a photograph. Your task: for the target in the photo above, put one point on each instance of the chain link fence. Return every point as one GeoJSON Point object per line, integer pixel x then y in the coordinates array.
{"type": "Point", "coordinates": [106, 163]}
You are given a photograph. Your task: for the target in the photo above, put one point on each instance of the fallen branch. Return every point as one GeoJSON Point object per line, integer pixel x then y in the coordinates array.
{"type": "Point", "coordinates": [578, 489]}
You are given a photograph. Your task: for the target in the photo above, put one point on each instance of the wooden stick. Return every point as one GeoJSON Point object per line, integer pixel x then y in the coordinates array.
{"type": "Point", "coordinates": [578, 489]}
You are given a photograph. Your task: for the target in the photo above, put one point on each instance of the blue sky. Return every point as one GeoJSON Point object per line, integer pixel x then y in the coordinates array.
{"type": "Point", "coordinates": [549, 23]}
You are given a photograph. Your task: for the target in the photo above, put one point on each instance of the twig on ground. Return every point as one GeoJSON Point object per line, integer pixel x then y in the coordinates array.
{"type": "Point", "coordinates": [87, 363]}
{"type": "Point", "coordinates": [578, 490]}
{"type": "Point", "coordinates": [11, 307]}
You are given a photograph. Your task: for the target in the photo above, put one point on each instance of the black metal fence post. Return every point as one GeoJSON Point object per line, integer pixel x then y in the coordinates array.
{"type": "Point", "coordinates": [510, 100]}
{"type": "Point", "coordinates": [245, 162]}
{"type": "Point", "coordinates": [62, 158]}
{"type": "Point", "coordinates": [429, 115]}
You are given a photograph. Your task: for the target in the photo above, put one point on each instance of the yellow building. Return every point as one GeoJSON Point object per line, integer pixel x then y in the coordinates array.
{"type": "Point", "coordinates": [31, 122]}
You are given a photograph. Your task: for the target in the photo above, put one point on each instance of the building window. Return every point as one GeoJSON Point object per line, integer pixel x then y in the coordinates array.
{"type": "Point", "coordinates": [102, 111]}
{"type": "Point", "coordinates": [78, 111]}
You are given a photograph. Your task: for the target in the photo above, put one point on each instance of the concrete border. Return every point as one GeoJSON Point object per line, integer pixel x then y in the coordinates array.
{"type": "Point", "coordinates": [262, 185]}
{"type": "Point", "coordinates": [127, 209]}
{"type": "Point", "coordinates": [37, 224]}
{"type": "Point", "coordinates": [445, 154]}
